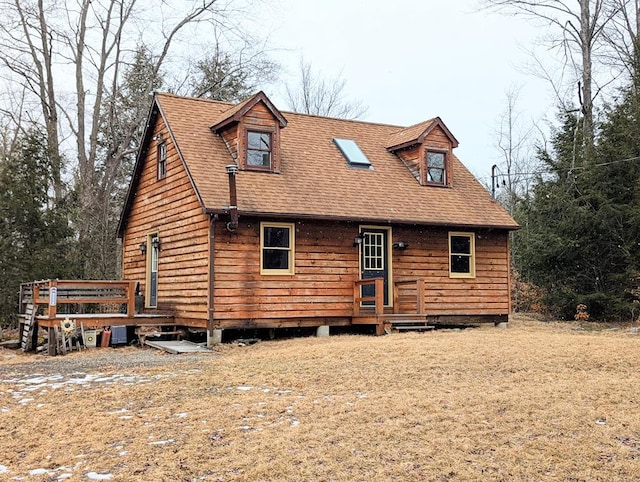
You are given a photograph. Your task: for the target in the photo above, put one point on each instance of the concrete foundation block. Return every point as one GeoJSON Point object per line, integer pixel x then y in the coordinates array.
{"type": "Point", "coordinates": [322, 331]}
{"type": "Point", "coordinates": [214, 338]}
{"type": "Point", "coordinates": [502, 325]}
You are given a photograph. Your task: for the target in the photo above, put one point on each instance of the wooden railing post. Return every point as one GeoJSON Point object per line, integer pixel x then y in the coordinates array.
{"type": "Point", "coordinates": [356, 298]}
{"type": "Point", "coordinates": [131, 302]}
{"type": "Point", "coordinates": [379, 287]}
{"type": "Point", "coordinates": [396, 298]}
{"type": "Point", "coordinates": [36, 294]}
{"type": "Point", "coordinates": [420, 295]}
{"type": "Point", "coordinates": [53, 298]}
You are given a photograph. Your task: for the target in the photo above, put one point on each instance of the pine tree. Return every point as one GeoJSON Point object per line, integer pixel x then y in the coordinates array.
{"type": "Point", "coordinates": [35, 238]}
{"type": "Point", "coordinates": [580, 227]}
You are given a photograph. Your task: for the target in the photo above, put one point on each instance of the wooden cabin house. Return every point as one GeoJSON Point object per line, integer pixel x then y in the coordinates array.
{"type": "Point", "coordinates": [243, 216]}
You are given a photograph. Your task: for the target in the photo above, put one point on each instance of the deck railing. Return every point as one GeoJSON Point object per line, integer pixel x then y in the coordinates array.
{"type": "Point", "coordinates": [377, 298]}
{"type": "Point", "coordinates": [119, 294]}
{"type": "Point", "coordinates": [408, 295]}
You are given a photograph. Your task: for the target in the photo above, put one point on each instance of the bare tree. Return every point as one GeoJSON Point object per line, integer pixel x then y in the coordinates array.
{"type": "Point", "coordinates": [70, 58]}
{"type": "Point", "coordinates": [580, 29]}
{"type": "Point", "coordinates": [514, 142]}
{"type": "Point", "coordinates": [622, 38]}
{"type": "Point", "coordinates": [315, 95]}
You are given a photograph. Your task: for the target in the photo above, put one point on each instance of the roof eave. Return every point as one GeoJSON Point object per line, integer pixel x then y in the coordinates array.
{"type": "Point", "coordinates": [246, 107]}
{"type": "Point", "coordinates": [137, 169]}
{"type": "Point", "coordinates": [361, 219]}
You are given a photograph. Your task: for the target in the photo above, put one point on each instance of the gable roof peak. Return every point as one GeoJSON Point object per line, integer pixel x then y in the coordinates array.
{"type": "Point", "coordinates": [235, 113]}
{"type": "Point", "coordinates": [416, 134]}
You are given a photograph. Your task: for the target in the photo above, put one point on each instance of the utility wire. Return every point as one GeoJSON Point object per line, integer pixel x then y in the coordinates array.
{"type": "Point", "coordinates": [550, 170]}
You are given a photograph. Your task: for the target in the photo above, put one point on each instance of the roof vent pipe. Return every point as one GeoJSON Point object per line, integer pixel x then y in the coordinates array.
{"type": "Point", "coordinates": [232, 170]}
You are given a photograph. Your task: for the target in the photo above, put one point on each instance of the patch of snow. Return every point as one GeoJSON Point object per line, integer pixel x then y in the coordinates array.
{"type": "Point", "coordinates": [64, 476]}
{"type": "Point", "coordinates": [126, 417]}
{"type": "Point", "coordinates": [123, 453]}
{"type": "Point", "coordinates": [38, 472]}
{"type": "Point", "coordinates": [181, 415]}
{"type": "Point", "coordinates": [96, 476]}
{"type": "Point", "coordinates": [244, 388]}
{"type": "Point", "coordinates": [4, 469]}
{"type": "Point", "coordinates": [25, 400]}
{"type": "Point", "coordinates": [295, 422]}
{"type": "Point", "coordinates": [162, 442]}
{"type": "Point", "coordinates": [40, 405]}
{"type": "Point", "coordinates": [120, 410]}
{"type": "Point", "coordinates": [4, 410]}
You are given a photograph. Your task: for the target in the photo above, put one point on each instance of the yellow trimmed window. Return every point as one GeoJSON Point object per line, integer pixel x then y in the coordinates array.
{"type": "Point", "coordinates": [277, 248]}
{"type": "Point", "coordinates": [462, 255]}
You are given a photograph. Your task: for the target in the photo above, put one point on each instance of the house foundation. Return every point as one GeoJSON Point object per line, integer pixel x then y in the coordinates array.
{"type": "Point", "coordinates": [322, 331]}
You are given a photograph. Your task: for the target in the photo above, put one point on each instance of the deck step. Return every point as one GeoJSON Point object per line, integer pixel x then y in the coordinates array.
{"type": "Point", "coordinates": [411, 325]}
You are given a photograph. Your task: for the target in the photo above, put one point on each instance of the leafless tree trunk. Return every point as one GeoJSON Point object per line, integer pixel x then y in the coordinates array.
{"type": "Point", "coordinates": [580, 28]}
{"type": "Point", "coordinates": [622, 38]}
{"type": "Point", "coordinates": [317, 96]}
{"type": "Point", "coordinates": [68, 56]}
{"type": "Point", "coordinates": [514, 142]}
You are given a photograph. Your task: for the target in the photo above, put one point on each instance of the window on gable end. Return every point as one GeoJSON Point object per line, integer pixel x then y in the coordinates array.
{"type": "Point", "coordinates": [436, 167]}
{"type": "Point", "coordinates": [161, 155]}
{"type": "Point", "coordinates": [259, 150]}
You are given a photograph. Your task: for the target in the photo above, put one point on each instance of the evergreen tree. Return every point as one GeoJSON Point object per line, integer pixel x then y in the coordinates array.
{"type": "Point", "coordinates": [35, 238]}
{"type": "Point", "coordinates": [580, 226]}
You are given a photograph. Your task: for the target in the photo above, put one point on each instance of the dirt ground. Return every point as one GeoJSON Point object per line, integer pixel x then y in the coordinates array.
{"type": "Point", "coordinates": [535, 401]}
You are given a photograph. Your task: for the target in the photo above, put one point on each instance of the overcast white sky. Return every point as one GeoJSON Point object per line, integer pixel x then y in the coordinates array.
{"type": "Point", "coordinates": [410, 60]}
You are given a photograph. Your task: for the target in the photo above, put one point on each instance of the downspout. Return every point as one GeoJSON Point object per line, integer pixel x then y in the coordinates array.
{"type": "Point", "coordinates": [232, 170]}
{"type": "Point", "coordinates": [212, 246]}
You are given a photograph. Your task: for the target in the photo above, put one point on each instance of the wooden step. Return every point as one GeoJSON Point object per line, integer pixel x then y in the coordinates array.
{"type": "Point", "coordinates": [411, 325]}
{"type": "Point", "coordinates": [413, 328]}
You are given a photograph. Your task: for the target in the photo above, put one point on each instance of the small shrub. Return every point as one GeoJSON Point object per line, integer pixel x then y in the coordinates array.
{"type": "Point", "coordinates": [581, 313]}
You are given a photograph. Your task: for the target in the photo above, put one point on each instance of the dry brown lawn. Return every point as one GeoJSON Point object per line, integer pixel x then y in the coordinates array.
{"type": "Point", "coordinates": [537, 401]}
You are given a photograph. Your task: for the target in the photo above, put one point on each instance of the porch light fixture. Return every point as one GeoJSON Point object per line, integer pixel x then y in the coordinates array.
{"type": "Point", "coordinates": [143, 247]}
{"type": "Point", "coordinates": [358, 240]}
{"type": "Point", "coordinates": [155, 242]}
{"type": "Point", "coordinates": [231, 169]}
{"type": "Point", "coordinates": [401, 245]}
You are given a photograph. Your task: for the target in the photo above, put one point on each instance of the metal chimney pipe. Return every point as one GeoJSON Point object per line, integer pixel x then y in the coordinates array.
{"type": "Point", "coordinates": [232, 170]}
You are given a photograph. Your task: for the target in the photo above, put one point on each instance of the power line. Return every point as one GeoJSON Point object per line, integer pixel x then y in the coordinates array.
{"type": "Point", "coordinates": [551, 170]}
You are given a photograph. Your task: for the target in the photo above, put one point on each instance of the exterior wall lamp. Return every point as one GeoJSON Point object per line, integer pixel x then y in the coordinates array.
{"type": "Point", "coordinates": [155, 243]}
{"type": "Point", "coordinates": [401, 245]}
{"type": "Point", "coordinates": [358, 240]}
{"type": "Point", "coordinates": [143, 247]}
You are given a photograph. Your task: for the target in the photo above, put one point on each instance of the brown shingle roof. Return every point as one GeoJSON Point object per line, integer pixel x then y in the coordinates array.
{"type": "Point", "coordinates": [235, 112]}
{"type": "Point", "coordinates": [415, 134]}
{"type": "Point", "coordinates": [315, 180]}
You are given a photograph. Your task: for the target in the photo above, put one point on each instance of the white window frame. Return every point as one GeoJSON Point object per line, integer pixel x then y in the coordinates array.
{"type": "Point", "coordinates": [472, 255]}
{"type": "Point", "coordinates": [291, 249]}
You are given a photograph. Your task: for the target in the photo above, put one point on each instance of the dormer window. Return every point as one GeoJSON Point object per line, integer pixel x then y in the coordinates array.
{"type": "Point", "coordinates": [258, 150]}
{"type": "Point", "coordinates": [436, 167]}
{"type": "Point", "coordinates": [251, 131]}
{"type": "Point", "coordinates": [425, 149]}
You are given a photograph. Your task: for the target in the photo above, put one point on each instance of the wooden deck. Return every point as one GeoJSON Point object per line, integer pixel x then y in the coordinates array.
{"type": "Point", "coordinates": [91, 304]}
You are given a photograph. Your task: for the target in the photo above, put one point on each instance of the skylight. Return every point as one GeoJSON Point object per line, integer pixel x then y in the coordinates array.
{"type": "Point", "coordinates": [352, 153]}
